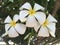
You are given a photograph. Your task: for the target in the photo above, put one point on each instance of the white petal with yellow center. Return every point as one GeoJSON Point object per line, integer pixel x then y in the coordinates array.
{"type": "Point", "coordinates": [38, 7]}
{"type": "Point", "coordinates": [8, 19]}
{"type": "Point", "coordinates": [31, 21]}
{"type": "Point", "coordinates": [13, 23]}
{"type": "Point", "coordinates": [40, 17]}
{"type": "Point", "coordinates": [31, 12]}
{"type": "Point", "coordinates": [51, 18]}
{"type": "Point", "coordinates": [12, 33]}
{"type": "Point", "coordinates": [20, 28]}
{"type": "Point", "coordinates": [25, 6]}
{"type": "Point", "coordinates": [43, 32]}
{"type": "Point", "coordinates": [22, 15]}
{"type": "Point", "coordinates": [45, 23]}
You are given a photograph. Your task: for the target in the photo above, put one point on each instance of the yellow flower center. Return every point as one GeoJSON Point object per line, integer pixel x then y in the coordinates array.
{"type": "Point", "coordinates": [31, 12]}
{"type": "Point", "coordinates": [45, 23]}
{"type": "Point", "coordinates": [13, 23]}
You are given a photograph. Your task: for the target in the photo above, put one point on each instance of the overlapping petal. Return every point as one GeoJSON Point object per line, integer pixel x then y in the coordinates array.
{"type": "Point", "coordinates": [43, 32]}
{"type": "Point", "coordinates": [12, 32]}
{"type": "Point", "coordinates": [16, 17]}
{"type": "Point", "coordinates": [20, 28]}
{"type": "Point", "coordinates": [7, 26]}
{"type": "Point", "coordinates": [52, 33]}
{"type": "Point", "coordinates": [37, 26]}
{"type": "Point", "coordinates": [31, 21]}
{"type": "Point", "coordinates": [40, 17]}
{"type": "Point", "coordinates": [52, 27]}
{"type": "Point", "coordinates": [22, 15]}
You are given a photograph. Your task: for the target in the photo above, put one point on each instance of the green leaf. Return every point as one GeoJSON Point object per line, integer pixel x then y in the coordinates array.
{"type": "Point", "coordinates": [27, 36]}
{"type": "Point", "coordinates": [11, 0]}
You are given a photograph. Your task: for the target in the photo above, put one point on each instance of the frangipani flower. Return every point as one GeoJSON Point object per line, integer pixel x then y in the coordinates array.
{"type": "Point", "coordinates": [49, 26]}
{"type": "Point", "coordinates": [31, 15]}
{"type": "Point", "coordinates": [13, 29]}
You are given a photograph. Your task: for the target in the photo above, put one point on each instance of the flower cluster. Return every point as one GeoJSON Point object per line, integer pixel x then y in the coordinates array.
{"type": "Point", "coordinates": [33, 17]}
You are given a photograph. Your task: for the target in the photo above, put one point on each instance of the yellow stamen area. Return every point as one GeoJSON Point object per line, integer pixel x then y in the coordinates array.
{"type": "Point", "coordinates": [13, 23]}
{"type": "Point", "coordinates": [45, 23]}
{"type": "Point", "coordinates": [31, 12]}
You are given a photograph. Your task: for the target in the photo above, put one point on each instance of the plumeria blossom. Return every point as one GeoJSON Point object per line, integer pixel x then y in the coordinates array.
{"type": "Point", "coordinates": [48, 27]}
{"type": "Point", "coordinates": [31, 15]}
{"type": "Point", "coordinates": [13, 29]}
{"type": "Point", "coordinates": [48, 0]}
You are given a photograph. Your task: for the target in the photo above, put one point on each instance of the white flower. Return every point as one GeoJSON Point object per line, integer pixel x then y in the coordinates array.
{"type": "Point", "coordinates": [49, 26]}
{"type": "Point", "coordinates": [13, 29]}
{"type": "Point", "coordinates": [31, 15]}
{"type": "Point", "coordinates": [48, 0]}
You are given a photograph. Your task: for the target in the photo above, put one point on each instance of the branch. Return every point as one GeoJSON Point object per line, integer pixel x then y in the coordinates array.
{"type": "Point", "coordinates": [56, 7]}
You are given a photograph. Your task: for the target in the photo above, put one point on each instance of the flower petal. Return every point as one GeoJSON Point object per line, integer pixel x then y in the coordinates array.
{"type": "Point", "coordinates": [36, 27]}
{"type": "Point", "coordinates": [22, 15]}
{"type": "Point", "coordinates": [52, 28]}
{"type": "Point", "coordinates": [20, 28]}
{"type": "Point", "coordinates": [25, 6]}
{"type": "Point", "coordinates": [52, 33]}
{"type": "Point", "coordinates": [7, 26]}
{"type": "Point", "coordinates": [16, 18]}
{"type": "Point", "coordinates": [38, 7]}
{"type": "Point", "coordinates": [12, 33]}
{"type": "Point", "coordinates": [40, 17]}
{"type": "Point", "coordinates": [8, 19]}
{"type": "Point", "coordinates": [51, 18]}
{"type": "Point", "coordinates": [31, 21]}
{"type": "Point", "coordinates": [43, 32]}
